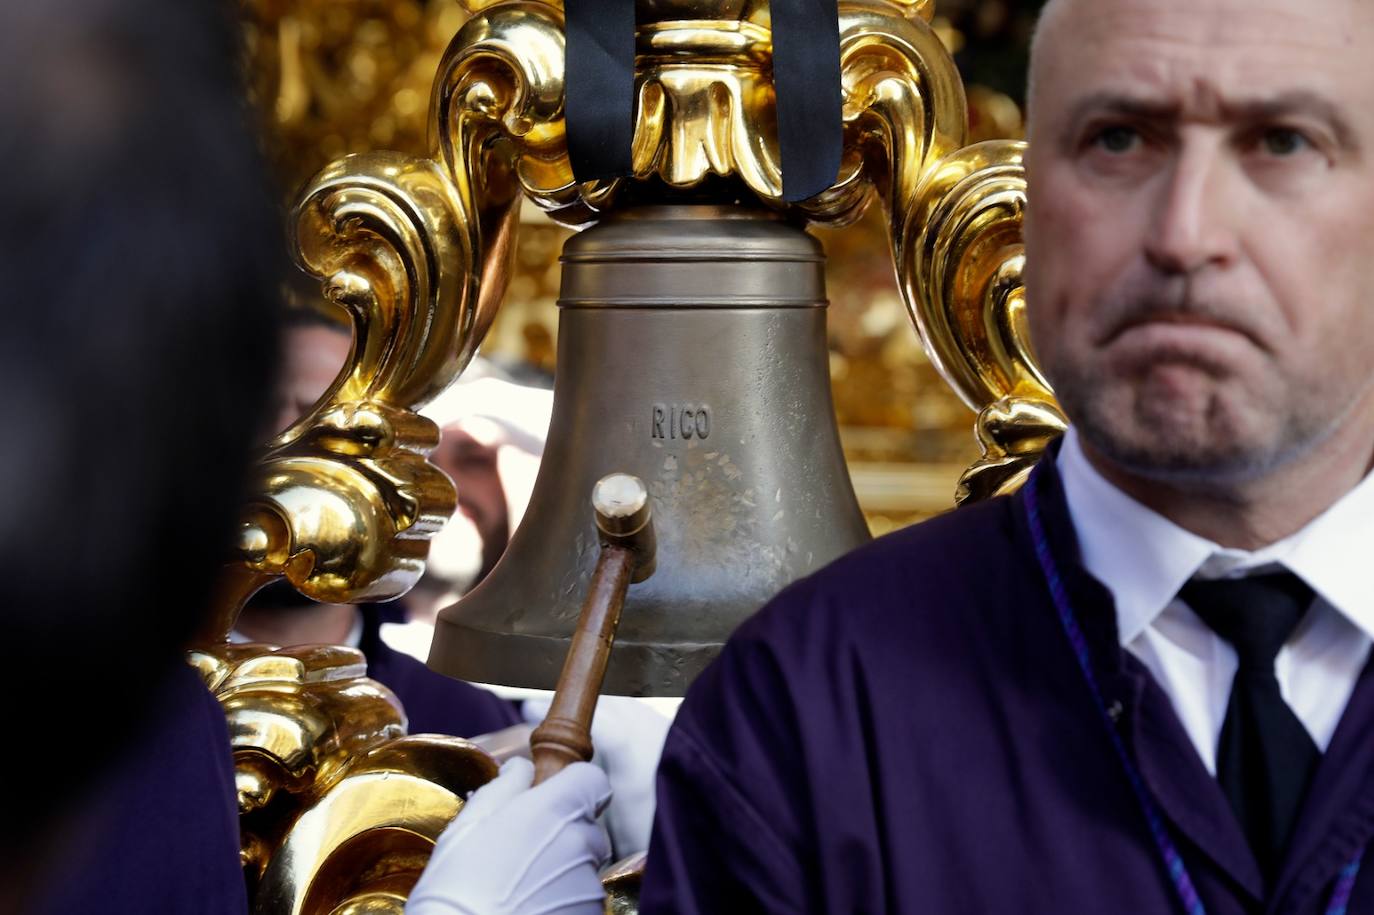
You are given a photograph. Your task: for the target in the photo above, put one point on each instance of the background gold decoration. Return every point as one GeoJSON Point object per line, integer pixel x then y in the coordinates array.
{"type": "Point", "coordinates": [339, 76]}
{"type": "Point", "coordinates": [338, 807]}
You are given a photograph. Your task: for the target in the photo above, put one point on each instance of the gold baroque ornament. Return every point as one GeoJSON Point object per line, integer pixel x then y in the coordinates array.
{"type": "Point", "coordinates": [339, 809]}
{"type": "Point", "coordinates": [961, 275]}
{"type": "Point", "coordinates": [705, 103]}
{"type": "Point", "coordinates": [418, 252]}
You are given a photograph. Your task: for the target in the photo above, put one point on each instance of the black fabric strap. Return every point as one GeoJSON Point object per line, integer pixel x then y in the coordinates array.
{"type": "Point", "coordinates": [806, 78]}
{"type": "Point", "coordinates": [600, 79]}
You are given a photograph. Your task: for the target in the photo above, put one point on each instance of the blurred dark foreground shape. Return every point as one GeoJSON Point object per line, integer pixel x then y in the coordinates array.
{"type": "Point", "coordinates": [142, 257]}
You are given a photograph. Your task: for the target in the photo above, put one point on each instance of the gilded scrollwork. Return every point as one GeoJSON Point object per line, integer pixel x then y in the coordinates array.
{"type": "Point", "coordinates": [345, 497]}
{"type": "Point", "coordinates": [1012, 432]}
{"type": "Point", "coordinates": [904, 107]}
{"type": "Point", "coordinates": [960, 270]}
{"type": "Point", "coordinates": [339, 808]}
{"type": "Point", "coordinates": [417, 252]}
{"type": "Point", "coordinates": [497, 117]}
{"type": "Point", "coordinates": [705, 104]}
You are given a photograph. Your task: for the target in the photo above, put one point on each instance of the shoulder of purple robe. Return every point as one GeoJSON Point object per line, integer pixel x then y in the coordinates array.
{"type": "Point", "coordinates": [161, 833]}
{"type": "Point", "coordinates": [783, 721]}
{"type": "Point", "coordinates": [434, 703]}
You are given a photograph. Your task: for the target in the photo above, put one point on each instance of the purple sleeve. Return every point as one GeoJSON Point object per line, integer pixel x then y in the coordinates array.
{"type": "Point", "coordinates": [711, 850]}
{"type": "Point", "coordinates": [161, 834]}
{"type": "Point", "coordinates": [731, 829]}
{"type": "Point", "coordinates": [434, 703]}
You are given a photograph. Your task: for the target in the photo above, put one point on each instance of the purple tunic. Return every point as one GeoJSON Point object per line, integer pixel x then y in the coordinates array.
{"type": "Point", "coordinates": [434, 703]}
{"type": "Point", "coordinates": [162, 832]}
{"type": "Point", "coordinates": [908, 731]}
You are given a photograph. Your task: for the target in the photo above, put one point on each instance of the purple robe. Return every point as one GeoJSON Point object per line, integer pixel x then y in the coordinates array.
{"type": "Point", "coordinates": [161, 832]}
{"type": "Point", "coordinates": [908, 731]}
{"type": "Point", "coordinates": [434, 703]}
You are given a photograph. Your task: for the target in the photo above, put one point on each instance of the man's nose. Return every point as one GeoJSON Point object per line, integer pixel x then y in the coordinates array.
{"type": "Point", "coordinates": [1194, 223]}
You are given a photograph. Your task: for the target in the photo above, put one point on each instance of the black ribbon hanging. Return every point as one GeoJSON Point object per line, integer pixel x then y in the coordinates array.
{"type": "Point", "coordinates": [806, 79]}
{"type": "Point", "coordinates": [600, 86]}
{"type": "Point", "coordinates": [600, 105]}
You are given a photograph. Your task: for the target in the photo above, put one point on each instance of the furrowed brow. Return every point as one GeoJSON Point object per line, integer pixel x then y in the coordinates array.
{"type": "Point", "coordinates": [1296, 104]}
{"type": "Point", "coordinates": [1120, 105]}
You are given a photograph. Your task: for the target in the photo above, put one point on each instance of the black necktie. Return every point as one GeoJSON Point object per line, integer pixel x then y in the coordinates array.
{"type": "Point", "coordinates": [1266, 758]}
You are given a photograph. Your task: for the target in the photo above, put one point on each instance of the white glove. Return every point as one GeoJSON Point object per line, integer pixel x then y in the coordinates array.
{"type": "Point", "coordinates": [628, 736]}
{"type": "Point", "coordinates": [517, 850]}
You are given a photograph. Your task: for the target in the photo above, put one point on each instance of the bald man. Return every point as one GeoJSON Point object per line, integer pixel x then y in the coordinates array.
{"type": "Point", "coordinates": [1140, 684]}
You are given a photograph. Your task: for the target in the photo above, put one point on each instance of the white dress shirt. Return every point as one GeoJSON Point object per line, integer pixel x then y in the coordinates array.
{"type": "Point", "coordinates": [1144, 559]}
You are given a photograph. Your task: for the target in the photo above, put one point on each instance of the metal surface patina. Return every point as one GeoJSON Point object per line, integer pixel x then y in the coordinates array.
{"type": "Point", "coordinates": [692, 354]}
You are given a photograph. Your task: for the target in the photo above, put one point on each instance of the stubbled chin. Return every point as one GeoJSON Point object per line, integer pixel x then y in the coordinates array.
{"type": "Point", "coordinates": [1177, 387]}
{"type": "Point", "coordinates": [1174, 408]}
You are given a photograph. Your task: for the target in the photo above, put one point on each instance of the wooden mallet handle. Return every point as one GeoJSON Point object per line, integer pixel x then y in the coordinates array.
{"type": "Point", "coordinates": [625, 527]}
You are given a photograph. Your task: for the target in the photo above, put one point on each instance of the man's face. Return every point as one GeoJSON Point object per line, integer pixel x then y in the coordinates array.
{"type": "Point", "coordinates": [314, 356]}
{"type": "Point", "coordinates": [1200, 230]}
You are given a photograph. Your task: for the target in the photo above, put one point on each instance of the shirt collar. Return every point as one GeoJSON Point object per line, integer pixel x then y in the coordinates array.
{"type": "Point", "coordinates": [1144, 558]}
{"type": "Point", "coordinates": [1334, 553]}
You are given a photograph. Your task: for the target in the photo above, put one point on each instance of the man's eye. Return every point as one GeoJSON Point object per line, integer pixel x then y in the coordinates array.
{"type": "Point", "coordinates": [1282, 141]}
{"type": "Point", "coordinates": [1117, 140]}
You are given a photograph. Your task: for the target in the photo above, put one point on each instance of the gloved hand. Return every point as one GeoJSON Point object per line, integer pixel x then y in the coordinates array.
{"type": "Point", "coordinates": [517, 850]}
{"type": "Point", "coordinates": [628, 737]}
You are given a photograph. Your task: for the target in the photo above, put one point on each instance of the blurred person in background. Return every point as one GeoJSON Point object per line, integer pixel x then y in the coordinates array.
{"type": "Point", "coordinates": [494, 429]}
{"type": "Point", "coordinates": [142, 255]}
{"type": "Point", "coordinates": [316, 348]}
{"type": "Point", "coordinates": [493, 432]}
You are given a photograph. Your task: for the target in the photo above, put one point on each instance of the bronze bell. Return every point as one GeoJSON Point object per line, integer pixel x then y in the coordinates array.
{"type": "Point", "coordinates": [692, 354]}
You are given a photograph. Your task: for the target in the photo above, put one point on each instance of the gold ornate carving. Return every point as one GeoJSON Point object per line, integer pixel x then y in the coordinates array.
{"type": "Point", "coordinates": [705, 103]}
{"type": "Point", "coordinates": [904, 107]}
{"type": "Point", "coordinates": [339, 809]}
{"type": "Point", "coordinates": [345, 497]}
{"type": "Point", "coordinates": [417, 251]}
{"type": "Point", "coordinates": [497, 119]}
{"type": "Point", "coordinates": [1013, 432]}
{"type": "Point", "coordinates": [960, 271]}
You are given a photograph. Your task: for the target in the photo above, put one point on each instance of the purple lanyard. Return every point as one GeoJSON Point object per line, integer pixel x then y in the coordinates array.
{"type": "Point", "coordinates": [1168, 852]}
